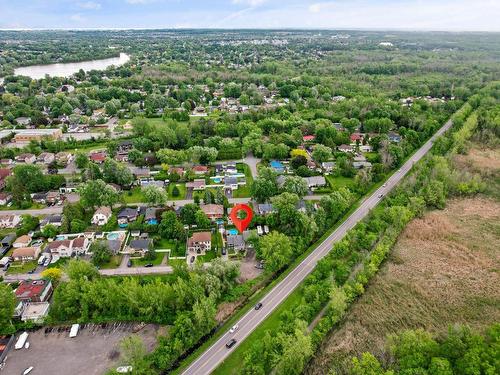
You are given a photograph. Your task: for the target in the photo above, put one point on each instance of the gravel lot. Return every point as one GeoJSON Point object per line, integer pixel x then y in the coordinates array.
{"type": "Point", "coordinates": [92, 352]}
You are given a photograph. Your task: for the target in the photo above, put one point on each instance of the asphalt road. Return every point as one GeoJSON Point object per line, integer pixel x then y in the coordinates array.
{"type": "Point", "coordinates": [216, 354]}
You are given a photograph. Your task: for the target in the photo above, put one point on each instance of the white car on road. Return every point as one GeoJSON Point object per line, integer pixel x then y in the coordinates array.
{"type": "Point", "coordinates": [234, 328]}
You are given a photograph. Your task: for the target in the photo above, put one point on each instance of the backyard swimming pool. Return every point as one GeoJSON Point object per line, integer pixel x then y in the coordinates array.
{"type": "Point", "coordinates": [112, 236]}
{"type": "Point", "coordinates": [232, 232]}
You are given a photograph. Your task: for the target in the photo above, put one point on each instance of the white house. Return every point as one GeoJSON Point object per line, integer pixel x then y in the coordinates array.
{"type": "Point", "coordinates": [101, 216]}
{"type": "Point", "coordinates": [9, 221]}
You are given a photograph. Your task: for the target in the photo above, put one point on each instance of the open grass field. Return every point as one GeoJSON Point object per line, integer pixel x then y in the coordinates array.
{"type": "Point", "coordinates": [21, 267]}
{"type": "Point", "coordinates": [182, 191]}
{"type": "Point", "coordinates": [442, 271]}
{"type": "Point", "coordinates": [133, 196]}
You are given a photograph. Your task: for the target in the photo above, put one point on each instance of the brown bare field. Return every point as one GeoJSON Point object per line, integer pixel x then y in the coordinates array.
{"type": "Point", "coordinates": [442, 271]}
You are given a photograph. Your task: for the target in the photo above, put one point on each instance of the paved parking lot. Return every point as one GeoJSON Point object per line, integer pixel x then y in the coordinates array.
{"type": "Point", "coordinates": [92, 352]}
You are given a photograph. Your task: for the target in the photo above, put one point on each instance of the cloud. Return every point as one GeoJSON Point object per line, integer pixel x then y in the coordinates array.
{"type": "Point", "coordinates": [315, 8]}
{"type": "Point", "coordinates": [137, 2]}
{"type": "Point", "coordinates": [90, 5]}
{"type": "Point", "coordinates": [77, 17]}
{"type": "Point", "coordinates": [252, 3]}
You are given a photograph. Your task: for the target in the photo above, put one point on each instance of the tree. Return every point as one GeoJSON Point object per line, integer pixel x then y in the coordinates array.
{"type": "Point", "coordinates": [154, 195]}
{"type": "Point", "coordinates": [202, 221]}
{"type": "Point", "coordinates": [97, 193]}
{"type": "Point", "coordinates": [434, 194]}
{"type": "Point", "coordinates": [275, 249]}
{"type": "Point", "coordinates": [171, 157]}
{"type": "Point", "coordinates": [79, 270]}
{"type": "Point", "coordinates": [170, 227]}
{"type": "Point", "coordinates": [188, 212]}
{"type": "Point", "coordinates": [368, 365]}
{"type": "Point", "coordinates": [297, 349]}
{"type": "Point", "coordinates": [175, 191]}
{"type": "Point", "coordinates": [321, 153]}
{"type": "Point", "coordinates": [203, 155]}
{"type": "Point", "coordinates": [49, 231]}
{"type": "Point", "coordinates": [54, 274]}
{"type": "Point", "coordinates": [295, 185]}
{"type": "Point", "coordinates": [114, 172]}
{"type": "Point", "coordinates": [100, 252]}
{"type": "Point", "coordinates": [6, 309]}
{"type": "Point", "coordinates": [81, 160]}
{"type": "Point", "coordinates": [298, 161]}
{"type": "Point", "coordinates": [265, 186]}
{"type": "Point", "coordinates": [26, 179]}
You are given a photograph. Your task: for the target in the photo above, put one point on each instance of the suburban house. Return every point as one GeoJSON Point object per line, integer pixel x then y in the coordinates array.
{"type": "Point", "coordinates": [45, 158]}
{"type": "Point", "coordinates": [34, 290]}
{"type": "Point", "coordinates": [6, 243]}
{"type": "Point", "coordinates": [26, 158]}
{"type": "Point", "coordinates": [4, 173]}
{"type": "Point", "coordinates": [140, 246]}
{"type": "Point", "coordinates": [236, 242]}
{"type": "Point", "coordinates": [197, 184]}
{"type": "Point", "coordinates": [315, 181]}
{"type": "Point", "coordinates": [35, 312]}
{"type": "Point", "coordinates": [5, 198]}
{"type": "Point", "coordinates": [80, 245]}
{"type": "Point", "coordinates": [265, 208]}
{"type": "Point", "coordinates": [213, 211]}
{"type": "Point", "coordinates": [98, 157]}
{"type": "Point", "coordinates": [53, 197]}
{"type": "Point", "coordinates": [125, 146]}
{"type": "Point", "coordinates": [64, 158]}
{"type": "Point", "coordinates": [199, 242]}
{"type": "Point", "coordinates": [346, 148]}
{"type": "Point", "coordinates": [9, 221]}
{"type": "Point", "coordinates": [200, 169]}
{"type": "Point", "coordinates": [328, 166]}
{"type": "Point", "coordinates": [22, 241]}
{"type": "Point", "coordinates": [356, 137]}
{"type": "Point", "coordinates": [122, 158]}
{"type": "Point", "coordinates": [55, 220]}
{"type": "Point", "coordinates": [126, 216]}
{"type": "Point", "coordinates": [24, 121]}
{"type": "Point", "coordinates": [361, 164]}
{"type": "Point", "coordinates": [39, 198]}
{"type": "Point", "coordinates": [308, 138]}
{"type": "Point", "coordinates": [101, 216]}
{"type": "Point", "coordinates": [62, 248]}
{"type": "Point", "coordinates": [179, 170]}
{"type": "Point", "coordinates": [26, 253]}
{"type": "Point", "coordinates": [150, 216]}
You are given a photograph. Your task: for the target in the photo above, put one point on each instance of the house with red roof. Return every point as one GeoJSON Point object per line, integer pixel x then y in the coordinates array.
{"type": "Point", "coordinates": [200, 169]}
{"type": "Point", "coordinates": [356, 137]}
{"type": "Point", "coordinates": [98, 157]}
{"type": "Point", "coordinates": [308, 138]}
{"type": "Point", "coordinates": [34, 290]}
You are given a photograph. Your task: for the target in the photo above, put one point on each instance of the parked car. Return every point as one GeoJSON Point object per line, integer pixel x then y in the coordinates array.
{"type": "Point", "coordinates": [380, 195]}
{"type": "Point", "coordinates": [230, 343]}
{"type": "Point", "coordinates": [129, 263]}
{"type": "Point", "coordinates": [258, 306]}
{"type": "Point", "coordinates": [148, 265]}
{"type": "Point", "coordinates": [223, 251]}
{"type": "Point", "coordinates": [32, 271]}
{"type": "Point", "coordinates": [124, 369]}
{"type": "Point", "coordinates": [192, 259]}
{"type": "Point", "coordinates": [234, 328]}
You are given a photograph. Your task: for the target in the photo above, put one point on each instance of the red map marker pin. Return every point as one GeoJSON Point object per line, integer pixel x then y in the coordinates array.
{"type": "Point", "coordinates": [241, 224]}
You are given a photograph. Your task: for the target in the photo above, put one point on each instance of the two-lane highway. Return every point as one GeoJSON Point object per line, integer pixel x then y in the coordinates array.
{"type": "Point", "coordinates": [216, 354]}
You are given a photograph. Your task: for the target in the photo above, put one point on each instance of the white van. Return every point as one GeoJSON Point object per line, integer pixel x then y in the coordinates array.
{"type": "Point", "coordinates": [41, 260]}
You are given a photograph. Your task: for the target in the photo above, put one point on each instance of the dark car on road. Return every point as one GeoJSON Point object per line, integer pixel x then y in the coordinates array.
{"type": "Point", "coordinates": [129, 263]}
{"type": "Point", "coordinates": [258, 306]}
{"type": "Point", "coordinates": [192, 259]}
{"type": "Point", "coordinates": [148, 265]}
{"type": "Point", "coordinates": [230, 343]}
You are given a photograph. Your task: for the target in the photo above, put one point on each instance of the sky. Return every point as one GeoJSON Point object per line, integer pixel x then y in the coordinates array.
{"type": "Point", "coordinates": [453, 15]}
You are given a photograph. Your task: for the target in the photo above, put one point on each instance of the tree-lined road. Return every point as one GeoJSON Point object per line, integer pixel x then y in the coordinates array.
{"type": "Point", "coordinates": [216, 354]}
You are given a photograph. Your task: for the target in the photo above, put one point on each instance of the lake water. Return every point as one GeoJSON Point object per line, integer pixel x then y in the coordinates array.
{"type": "Point", "coordinates": [67, 69]}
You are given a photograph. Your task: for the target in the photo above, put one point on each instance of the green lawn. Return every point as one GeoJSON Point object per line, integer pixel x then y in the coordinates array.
{"type": "Point", "coordinates": [138, 262]}
{"type": "Point", "coordinates": [177, 249]}
{"type": "Point", "coordinates": [20, 267]}
{"type": "Point", "coordinates": [176, 262]}
{"type": "Point", "coordinates": [339, 182]}
{"type": "Point", "coordinates": [114, 262]}
{"type": "Point", "coordinates": [59, 264]}
{"type": "Point", "coordinates": [133, 196]}
{"type": "Point", "coordinates": [207, 257]}
{"type": "Point", "coordinates": [182, 191]}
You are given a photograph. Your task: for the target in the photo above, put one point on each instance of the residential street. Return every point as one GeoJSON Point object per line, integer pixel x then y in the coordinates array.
{"type": "Point", "coordinates": [216, 354]}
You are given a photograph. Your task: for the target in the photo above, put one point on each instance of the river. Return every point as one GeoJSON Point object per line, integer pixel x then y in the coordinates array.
{"type": "Point", "coordinates": [67, 69]}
